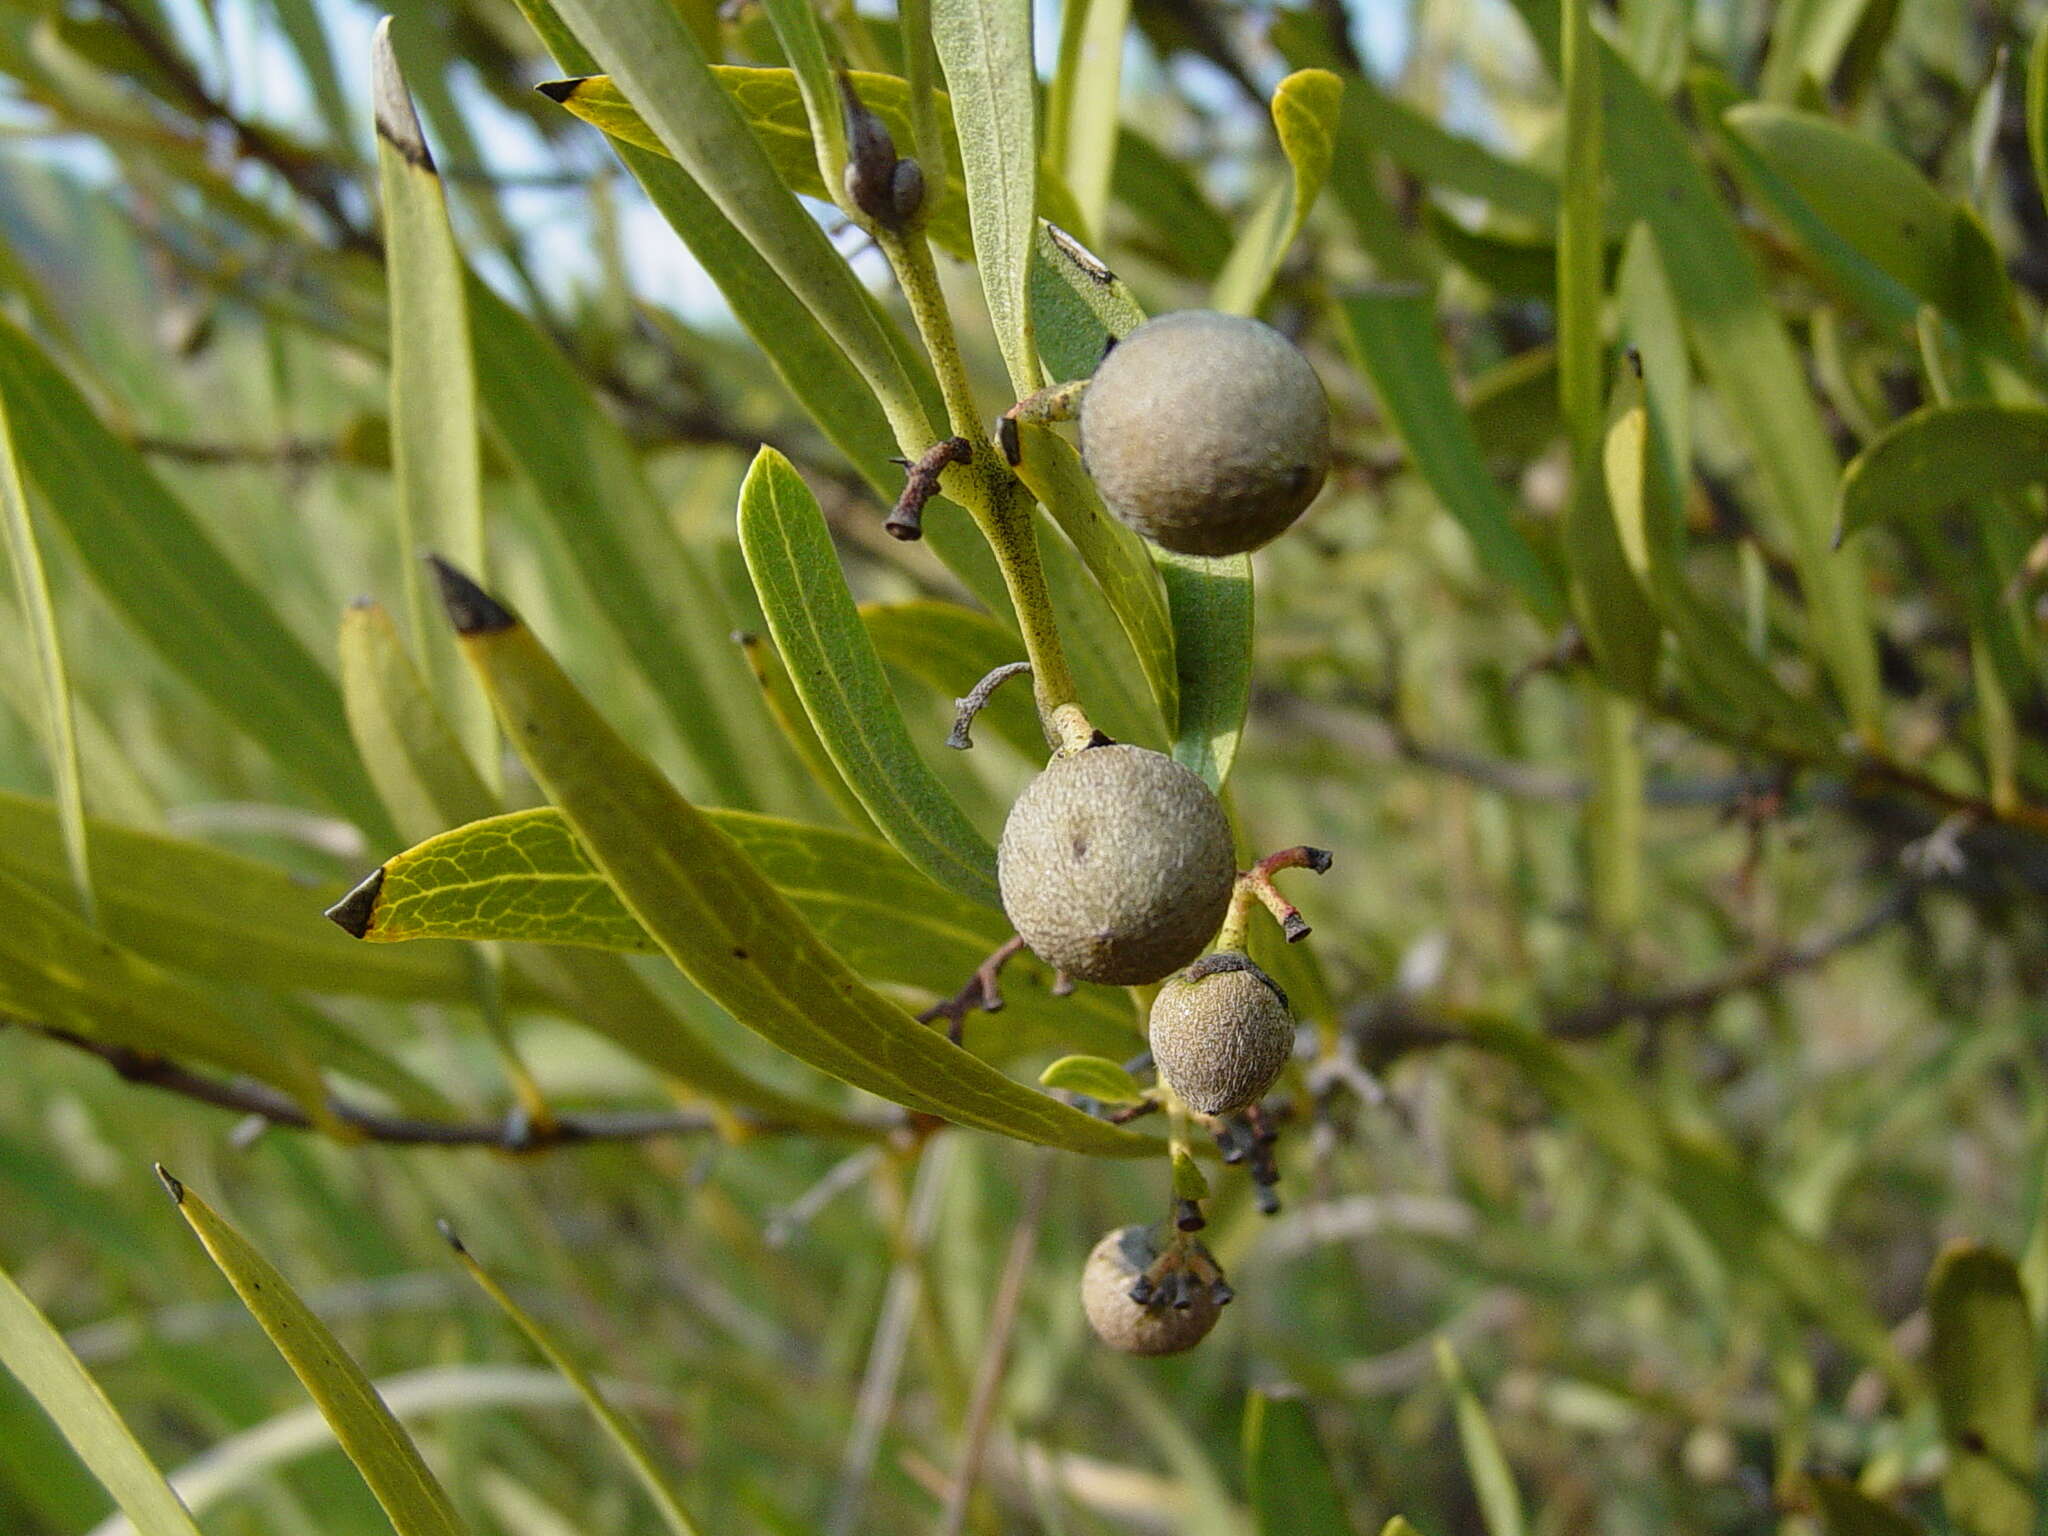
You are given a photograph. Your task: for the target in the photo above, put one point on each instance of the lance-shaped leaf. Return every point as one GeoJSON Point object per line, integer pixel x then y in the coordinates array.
{"type": "Point", "coordinates": [382, 1451]}
{"type": "Point", "coordinates": [1940, 457]}
{"type": "Point", "coordinates": [32, 585]}
{"type": "Point", "coordinates": [841, 682]}
{"type": "Point", "coordinates": [1081, 135]}
{"type": "Point", "coordinates": [161, 572]}
{"type": "Point", "coordinates": [525, 877]}
{"type": "Point", "coordinates": [661, 67]}
{"type": "Point", "coordinates": [57, 972]}
{"type": "Point", "coordinates": [1287, 1473]}
{"type": "Point", "coordinates": [1981, 1355]}
{"type": "Point", "coordinates": [985, 49]}
{"type": "Point", "coordinates": [437, 474]}
{"type": "Point", "coordinates": [720, 921]}
{"type": "Point", "coordinates": [773, 105]}
{"type": "Point", "coordinates": [429, 782]}
{"type": "Point", "coordinates": [1210, 604]}
{"type": "Point", "coordinates": [1493, 1481]}
{"type": "Point", "coordinates": [1305, 109]}
{"type": "Point", "coordinates": [36, 1355]}
{"type": "Point", "coordinates": [1093, 1077]}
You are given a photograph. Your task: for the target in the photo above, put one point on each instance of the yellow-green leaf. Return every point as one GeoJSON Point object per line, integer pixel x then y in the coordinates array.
{"type": "Point", "coordinates": [1940, 457]}
{"type": "Point", "coordinates": [721, 922]}
{"type": "Point", "coordinates": [380, 1448]}
{"type": "Point", "coordinates": [36, 1355]}
{"type": "Point", "coordinates": [1092, 1077]}
{"type": "Point", "coordinates": [844, 690]}
{"type": "Point", "coordinates": [1981, 1355]}
{"type": "Point", "coordinates": [1305, 109]}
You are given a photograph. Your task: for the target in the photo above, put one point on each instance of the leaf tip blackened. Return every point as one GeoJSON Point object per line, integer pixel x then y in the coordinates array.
{"type": "Point", "coordinates": [172, 1186]}
{"type": "Point", "coordinates": [471, 609]}
{"type": "Point", "coordinates": [354, 913]}
{"type": "Point", "coordinates": [397, 123]}
{"type": "Point", "coordinates": [560, 91]}
{"type": "Point", "coordinates": [448, 1233]}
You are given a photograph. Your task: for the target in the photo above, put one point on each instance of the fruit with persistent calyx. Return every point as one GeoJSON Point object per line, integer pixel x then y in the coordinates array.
{"type": "Point", "coordinates": [1221, 1032]}
{"type": "Point", "coordinates": [1182, 1301]}
{"type": "Point", "coordinates": [1207, 433]}
{"type": "Point", "coordinates": [1116, 865]}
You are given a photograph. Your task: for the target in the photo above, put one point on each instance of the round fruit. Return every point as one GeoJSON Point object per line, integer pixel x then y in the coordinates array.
{"type": "Point", "coordinates": [1207, 433]}
{"type": "Point", "coordinates": [1180, 1313]}
{"type": "Point", "coordinates": [1221, 1032]}
{"type": "Point", "coordinates": [1116, 865]}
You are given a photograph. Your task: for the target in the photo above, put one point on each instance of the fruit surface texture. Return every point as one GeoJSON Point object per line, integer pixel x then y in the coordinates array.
{"type": "Point", "coordinates": [1151, 1328]}
{"type": "Point", "coordinates": [1221, 1033]}
{"type": "Point", "coordinates": [1207, 433]}
{"type": "Point", "coordinates": [1116, 865]}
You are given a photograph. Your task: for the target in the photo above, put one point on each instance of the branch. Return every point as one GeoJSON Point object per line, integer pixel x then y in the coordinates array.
{"type": "Point", "coordinates": [514, 1133]}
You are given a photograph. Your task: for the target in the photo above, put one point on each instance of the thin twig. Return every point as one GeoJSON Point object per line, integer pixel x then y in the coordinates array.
{"type": "Point", "coordinates": [995, 1351]}
{"type": "Point", "coordinates": [983, 991]}
{"type": "Point", "coordinates": [514, 1133]}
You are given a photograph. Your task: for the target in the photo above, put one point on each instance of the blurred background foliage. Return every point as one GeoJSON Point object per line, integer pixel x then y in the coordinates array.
{"type": "Point", "coordinates": [1676, 999]}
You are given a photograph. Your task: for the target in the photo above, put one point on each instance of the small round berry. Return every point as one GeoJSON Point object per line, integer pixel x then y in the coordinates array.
{"type": "Point", "coordinates": [1207, 433]}
{"type": "Point", "coordinates": [1179, 1311]}
{"type": "Point", "coordinates": [1221, 1033]}
{"type": "Point", "coordinates": [1116, 865]}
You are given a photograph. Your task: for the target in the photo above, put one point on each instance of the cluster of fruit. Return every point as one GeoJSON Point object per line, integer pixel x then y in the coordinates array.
{"type": "Point", "coordinates": [1208, 434]}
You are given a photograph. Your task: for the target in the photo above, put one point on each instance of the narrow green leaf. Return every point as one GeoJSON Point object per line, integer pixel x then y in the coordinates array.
{"type": "Point", "coordinates": [211, 913]}
{"type": "Point", "coordinates": [803, 44]}
{"type": "Point", "coordinates": [1981, 1356]}
{"type": "Point", "coordinates": [1399, 1526]}
{"type": "Point", "coordinates": [985, 49]}
{"type": "Point", "coordinates": [1620, 626]}
{"type": "Point", "coordinates": [36, 1355]}
{"type": "Point", "coordinates": [1493, 1483]}
{"type": "Point", "coordinates": [837, 675]}
{"type": "Point", "coordinates": [39, 611]}
{"type": "Point", "coordinates": [57, 972]}
{"type": "Point", "coordinates": [1807, 41]}
{"type": "Point", "coordinates": [1078, 305]}
{"type": "Point", "coordinates": [1210, 604]}
{"type": "Point", "coordinates": [724, 925]}
{"type": "Point", "coordinates": [381, 1450]}
{"type": "Point", "coordinates": [618, 1428]}
{"type": "Point", "coordinates": [2037, 107]}
{"type": "Point", "coordinates": [1159, 190]}
{"type": "Point", "coordinates": [1092, 1077]}
{"type": "Point", "coordinates": [437, 475]}
{"type": "Point", "coordinates": [1940, 457]}
{"type": "Point", "coordinates": [659, 64]}
{"type": "Point", "coordinates": [1845, 1510]}
{"type": "Point", "coordinates": [1393, 335]}
{"type": "Point", "coordinates": [430, 784]}
{"type": "Point", "coordinates": [1081, 135]}
{"type": "Point", "coordinates": [1287, 1473]}
{"type": "Point", "coordinates": [952, 648]}
{"type": "Point", "coordinates": [524, 876]}
{"type": "Point", "coordinates": [164, 575]}
{"type": "Point", "coordinates": [1305, 109]}
{"type": "Point", "coordinates": [661, 605]}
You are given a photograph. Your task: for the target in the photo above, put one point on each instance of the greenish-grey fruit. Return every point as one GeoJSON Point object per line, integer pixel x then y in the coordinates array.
{"type": "Point", "coordinates": [1179, 1313]}
{"type": "Point", "coordinates": [1207, 433]}
{"type": "Point", "coordinates": [1221, 1032]}
{"type": "Point", "coordinates": [1116, 865]}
